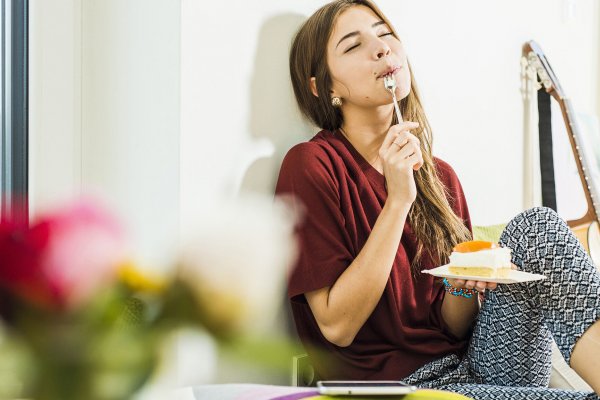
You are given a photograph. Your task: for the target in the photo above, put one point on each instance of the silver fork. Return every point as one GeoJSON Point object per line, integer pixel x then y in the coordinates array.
{"type": "Point", "coordinates": [390, 84]}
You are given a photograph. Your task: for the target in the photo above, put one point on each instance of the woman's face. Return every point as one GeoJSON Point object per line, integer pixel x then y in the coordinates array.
{"type": "Point", "coordinates": [360, 51]}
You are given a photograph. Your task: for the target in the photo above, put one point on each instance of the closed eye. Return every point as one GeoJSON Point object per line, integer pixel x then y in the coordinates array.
{"type": "Point", "coordinates": [351, 48]}
{"type": "Point", "coordinates": [358, 44]}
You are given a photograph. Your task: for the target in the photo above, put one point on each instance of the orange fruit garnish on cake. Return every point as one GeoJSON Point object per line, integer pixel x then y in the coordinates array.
{"type": "Point", "coordinates": [474, 245]}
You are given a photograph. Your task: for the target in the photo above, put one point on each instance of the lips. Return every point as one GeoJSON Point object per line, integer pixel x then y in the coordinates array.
{"type": "Point", "coordinates": [389, 70]}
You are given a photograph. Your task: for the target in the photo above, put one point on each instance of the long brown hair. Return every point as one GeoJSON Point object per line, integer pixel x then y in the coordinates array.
{"type": "Point", "coordinates": [433, 221]}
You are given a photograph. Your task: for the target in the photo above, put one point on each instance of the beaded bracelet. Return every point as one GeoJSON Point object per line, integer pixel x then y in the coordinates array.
{"type": "Point", "coordinates": [467, 293]}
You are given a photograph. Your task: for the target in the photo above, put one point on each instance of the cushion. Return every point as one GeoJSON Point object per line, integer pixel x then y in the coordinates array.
{"type": "Point", "coordinates": [489, 233]}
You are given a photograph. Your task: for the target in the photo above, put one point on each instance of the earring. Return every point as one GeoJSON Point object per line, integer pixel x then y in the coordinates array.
{"type": "Point", "coordinates": [336, 101]}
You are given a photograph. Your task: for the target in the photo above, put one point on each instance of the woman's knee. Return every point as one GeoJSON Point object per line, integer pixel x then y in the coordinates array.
{"type": "Point", "coordinates": [542, 212]}
{"type": "Point", "coordinates": [536, 220]}
{"type": "Point", "coordinates": [539, 214]}
{"type": "Point", "coordinates": [537, 223]}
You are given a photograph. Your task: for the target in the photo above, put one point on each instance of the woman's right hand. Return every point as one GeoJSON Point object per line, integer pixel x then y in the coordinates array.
{"type": "Point", "coordinates": [401, 156]}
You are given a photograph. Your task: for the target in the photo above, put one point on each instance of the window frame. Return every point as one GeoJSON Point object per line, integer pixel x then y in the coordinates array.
{"type": "Point", "coordinates": [14, 171]}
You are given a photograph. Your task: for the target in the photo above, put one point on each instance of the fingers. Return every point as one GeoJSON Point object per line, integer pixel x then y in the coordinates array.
{"type": "Point", "coordinates": [396, 130]}
{"type": "Point", "coordinates": [416, 160]}
{"type": "Point", "coordinates": [470, 284]}
{"type": "Point", "coordinates": [410, 153]}
{"type": "Point", "coordinates": [408, 138]}
{"type": "Point", "coordinates": [419, 163]}
{"type": "Point", "coordinates": [409, 147]}
{"type": "Point", "coordinates": [480, 286]}
{"type": "Point", "coordinates": [400, 145]}
{"type": "Point", "coordinates": [459, 283]}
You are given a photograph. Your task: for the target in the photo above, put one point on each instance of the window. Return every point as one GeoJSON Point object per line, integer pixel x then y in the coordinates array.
{"type": "Point", "coordinates": [13, 72]}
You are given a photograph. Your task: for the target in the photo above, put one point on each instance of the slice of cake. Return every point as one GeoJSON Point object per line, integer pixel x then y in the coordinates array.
{"type": "Point", "coordinates": [479, 258]}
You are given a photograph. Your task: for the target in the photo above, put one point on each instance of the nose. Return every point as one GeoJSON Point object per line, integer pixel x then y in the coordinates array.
{"type": "Point", "coordinates": [381, 49]}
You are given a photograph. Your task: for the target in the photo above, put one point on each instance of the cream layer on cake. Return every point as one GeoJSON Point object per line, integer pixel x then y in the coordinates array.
{"type": "Point", "coordinates": [489, 263]}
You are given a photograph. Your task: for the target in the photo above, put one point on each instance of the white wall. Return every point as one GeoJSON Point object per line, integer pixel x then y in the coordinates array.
{"type": "Point", "coordinates": [466, 57]}
{"type": "Point", "coordinates": [235, 98]}
{"type": "Point", "coordinates": [54, 101]}
{"type": "Point", "coordinates": [130, 119]}
{"type": "Point", "coordinates": [104, 115]}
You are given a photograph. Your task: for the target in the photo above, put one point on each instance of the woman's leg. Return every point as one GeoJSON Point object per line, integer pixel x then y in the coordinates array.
{"type": "Point", "coordinates": [495, 392]}
{"type": "Point", "coordinates": [451, 373]}
{"type": "Point", "coordinates": [511, 339]}
{"type": "Point", "coordinates": [585, 358]}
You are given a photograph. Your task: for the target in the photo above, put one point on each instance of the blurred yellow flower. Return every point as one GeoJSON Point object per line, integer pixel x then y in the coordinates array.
{"type": "Point", "coordinates": [138, 281]}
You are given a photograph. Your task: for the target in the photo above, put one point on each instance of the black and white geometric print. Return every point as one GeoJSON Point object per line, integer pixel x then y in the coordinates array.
{"type": "Point", "coordinates": [509, 356]}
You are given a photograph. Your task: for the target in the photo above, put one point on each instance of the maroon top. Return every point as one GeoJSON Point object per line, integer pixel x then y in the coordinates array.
{"type": "Point", "coordinates": [341, 196]}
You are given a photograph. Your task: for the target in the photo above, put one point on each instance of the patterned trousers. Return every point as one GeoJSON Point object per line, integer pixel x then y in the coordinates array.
{"type": "Point", "coordinates": [509, 356]}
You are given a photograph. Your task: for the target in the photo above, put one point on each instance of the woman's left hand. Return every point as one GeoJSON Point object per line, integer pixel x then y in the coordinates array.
{"type": "Point", "coordinates": [477, 285]}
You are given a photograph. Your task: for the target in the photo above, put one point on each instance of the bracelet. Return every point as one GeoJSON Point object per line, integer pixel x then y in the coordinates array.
{"type": "Point", "coordinates": [463, 292]}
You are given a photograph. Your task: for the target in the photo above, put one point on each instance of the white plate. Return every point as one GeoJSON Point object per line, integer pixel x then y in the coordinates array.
{"type": "Point", "coordinates": [514, 276]}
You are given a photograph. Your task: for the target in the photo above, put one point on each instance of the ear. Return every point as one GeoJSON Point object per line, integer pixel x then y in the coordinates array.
{"type": "Point", "coordinates": [313, 86]}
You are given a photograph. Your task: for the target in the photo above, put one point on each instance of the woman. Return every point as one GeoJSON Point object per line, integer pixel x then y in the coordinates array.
{"type": "Point", "coordinates": [379, 208]}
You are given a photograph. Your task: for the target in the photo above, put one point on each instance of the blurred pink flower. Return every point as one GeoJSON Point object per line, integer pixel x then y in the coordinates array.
{"type": "Point", "coordinates": [21, 252]}
{"type": "Point", "coordinates": [64, 258]}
